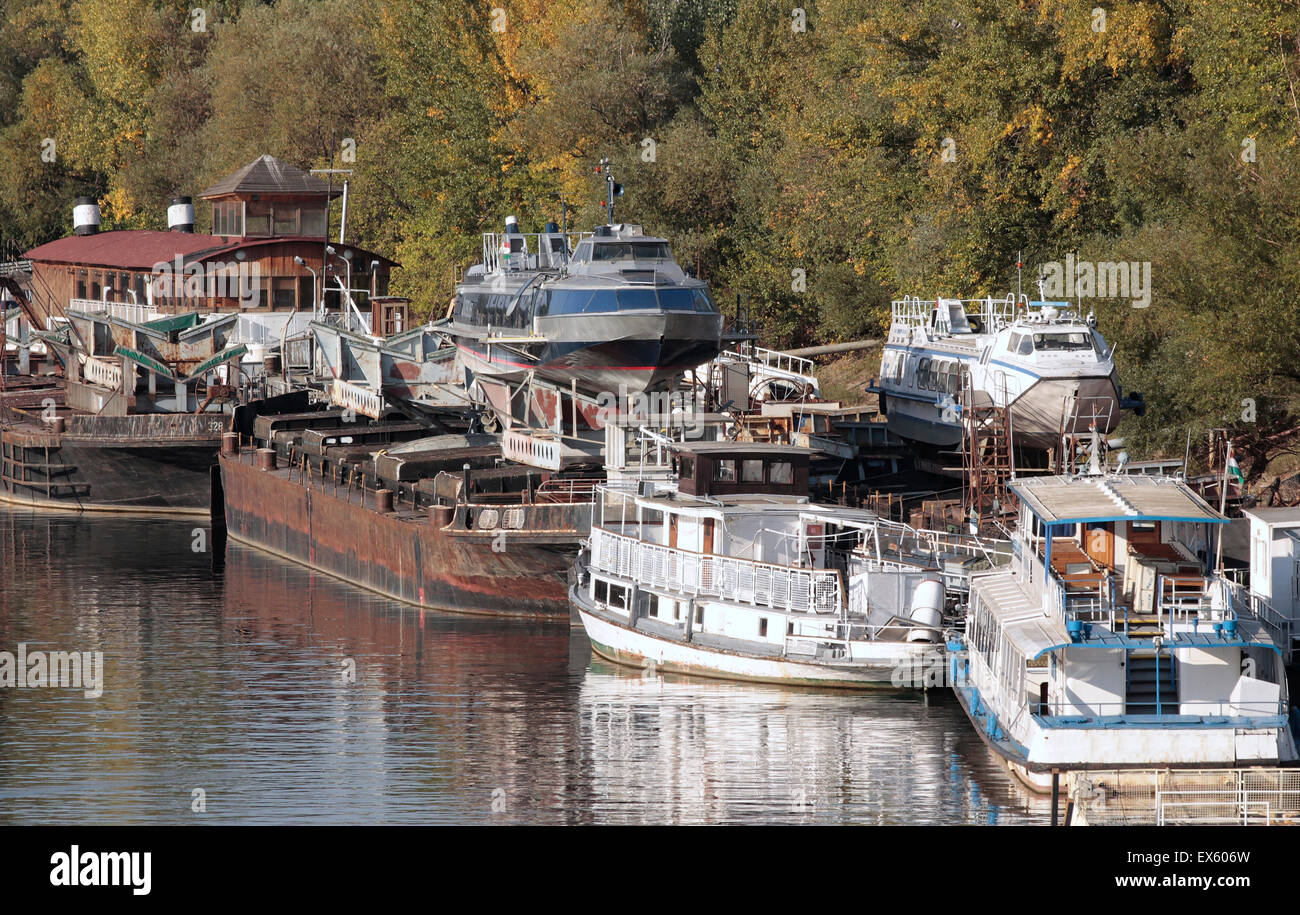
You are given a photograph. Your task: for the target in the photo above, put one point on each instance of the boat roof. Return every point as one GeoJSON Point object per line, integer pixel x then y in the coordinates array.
{"type": "Point", "coordinates": [1066, 499]}
{"type": "Point", "coordinates": [1033, 633]}
{"type": "Point", "coordinates": [1282, 515]}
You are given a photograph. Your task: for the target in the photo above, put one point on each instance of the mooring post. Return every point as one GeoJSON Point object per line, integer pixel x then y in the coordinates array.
{"type": "Point", "coordinates": [1056, 795]}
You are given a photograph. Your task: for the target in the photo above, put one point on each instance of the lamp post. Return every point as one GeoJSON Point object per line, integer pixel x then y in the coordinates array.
{"type": "Point", "coordinates": [314, 283]}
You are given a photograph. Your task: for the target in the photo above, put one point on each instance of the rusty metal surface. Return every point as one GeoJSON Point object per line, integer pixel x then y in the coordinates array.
{"type": "Point", "coordinates": [512, 572]}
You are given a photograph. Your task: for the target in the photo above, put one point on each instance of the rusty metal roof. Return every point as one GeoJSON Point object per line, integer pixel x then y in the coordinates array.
{"type": "Point", "coordinates": [269, 175]}
{"type": "Point", "coordinates": [128, 248]}
{"type": "Point", "coordinates": [139, 249]}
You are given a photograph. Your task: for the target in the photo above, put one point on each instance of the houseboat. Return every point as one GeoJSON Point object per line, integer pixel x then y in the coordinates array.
{"type": "Point", "coordinates": [1050, 367]}
{"type": "Point", "coordinates": [1110, 643]}
{"type": "Point", "coordinates": [733, 573]}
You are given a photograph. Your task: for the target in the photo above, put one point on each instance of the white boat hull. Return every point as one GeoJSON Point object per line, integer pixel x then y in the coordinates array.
{"type": "Point", "coordinates": [623, 645]}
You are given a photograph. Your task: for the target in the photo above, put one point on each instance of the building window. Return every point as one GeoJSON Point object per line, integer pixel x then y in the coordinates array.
{"type": "Point", "coordinates": [306, 292]}
{"type": "Point", "coordinates": [81, 284]}
{"type": "Point", "coordinates": [313, 221]}
{"type": "Point", "coordinates": [699, 617]}
{"type": "Point", "coordinates": [282, 298]}
{"type": "Point", "coordinates": [258, 220]}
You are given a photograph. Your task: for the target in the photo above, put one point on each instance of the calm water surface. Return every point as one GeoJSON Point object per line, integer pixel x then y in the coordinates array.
{"type": "Point", "coordinates": [233, 680]}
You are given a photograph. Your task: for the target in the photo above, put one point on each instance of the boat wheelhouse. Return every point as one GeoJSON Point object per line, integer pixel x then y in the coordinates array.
{"type": "Point", "coordinates": [1108, 642]}
{"type": "Point", "coordinates": [616, 312]}
{"type": "Point", "coordinates": [1051, 368]}
{"type": "Point", "coordinates": [735, 574]}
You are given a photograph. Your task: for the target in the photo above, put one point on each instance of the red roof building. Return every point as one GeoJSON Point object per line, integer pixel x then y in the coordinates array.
{"type": "Point", "coordinates": [267, 218]}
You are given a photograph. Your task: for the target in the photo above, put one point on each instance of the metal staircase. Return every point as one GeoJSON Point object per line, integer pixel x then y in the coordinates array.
{"type": "Point", "coordinates": [1152, 687]}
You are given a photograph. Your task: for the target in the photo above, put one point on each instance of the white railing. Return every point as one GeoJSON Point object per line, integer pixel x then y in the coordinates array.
{"type": "Point", "coordinates": [136, 314]}
{"type": "Point", "coordinates": [104, 374]}
{"type": "Point", "coordinates": [356, 398]}
{"type": "Point", "coordinates": [773, 359]}
{"type": "Point", "coordinates": [1211, 807]}
{"type": "Point", "coordinates": [536, 253]}
{"type": "Point", "coordinates": [740, 580]}
{"type": "Point", "coordinates": [524, 448]}
{"type": "Point", "coordinates": [911, 312]}
{"type": "Point", "coordinates": [1282, 629]}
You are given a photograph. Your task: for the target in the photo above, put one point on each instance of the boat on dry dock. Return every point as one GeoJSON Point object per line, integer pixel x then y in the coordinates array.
{"type": "Point", "coordinates": [604, 311]}
{"type": "Point", "coordinates": [1110, 642]}
{"type": "Point", "coordinates": [734, 573]}
{"type": "Point", "coordinates": [1045, 363]}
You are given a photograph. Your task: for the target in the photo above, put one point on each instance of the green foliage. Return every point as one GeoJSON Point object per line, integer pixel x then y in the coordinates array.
{"type": "Point", "coordinates": [816, 167]}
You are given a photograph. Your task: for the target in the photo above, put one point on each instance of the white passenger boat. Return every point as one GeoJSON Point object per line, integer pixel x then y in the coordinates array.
{"type": "Point", "coordinates": [733, 573]}
{"type": "Point", "coordinates": [1108, 643]}
{"type": "Point", "coordinates": [1051, 367]}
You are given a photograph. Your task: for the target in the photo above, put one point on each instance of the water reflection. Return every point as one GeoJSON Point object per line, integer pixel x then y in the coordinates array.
{"type": "Point", "coordinates": [289, 697]}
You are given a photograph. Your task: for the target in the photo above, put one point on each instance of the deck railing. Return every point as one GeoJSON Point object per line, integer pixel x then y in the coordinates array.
{"type": "Point", "coordinates": [725, 577]}
{"type": "Point", "coordinates": [124, 311]}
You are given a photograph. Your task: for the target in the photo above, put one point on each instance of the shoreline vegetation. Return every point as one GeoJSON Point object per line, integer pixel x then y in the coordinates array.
{"type": "Point", "coordinates": [815, 161]}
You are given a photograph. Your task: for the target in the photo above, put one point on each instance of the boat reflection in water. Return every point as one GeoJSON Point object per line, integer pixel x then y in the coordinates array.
{"type": "Point", "coordinates": [239, 682]}
{"type": "Point", "coordinates": [668, 748]}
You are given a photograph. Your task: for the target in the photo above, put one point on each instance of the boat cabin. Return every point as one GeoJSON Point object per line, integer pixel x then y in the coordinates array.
{"type": "Point", "coordinates": [736, 468]}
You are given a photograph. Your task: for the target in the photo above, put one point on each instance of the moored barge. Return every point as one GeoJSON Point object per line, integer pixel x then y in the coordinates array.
{"type": "Point", "coordinates": [435, 521]}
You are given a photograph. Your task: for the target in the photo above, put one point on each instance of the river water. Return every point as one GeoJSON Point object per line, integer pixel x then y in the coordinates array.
{"type": "Point", "coordinates": [250, 690]}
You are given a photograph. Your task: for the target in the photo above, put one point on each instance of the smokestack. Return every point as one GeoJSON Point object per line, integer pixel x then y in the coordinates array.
{"type": "Point", "coordinates": [85, 216]}
{"type": "Point", "coordinates": [180, 214]}
{"type": "Point", "coordinates": [512, 225]}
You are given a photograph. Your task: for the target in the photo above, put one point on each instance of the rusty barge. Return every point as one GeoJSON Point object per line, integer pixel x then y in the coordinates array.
{"type": "Point", "coordinates": [438, 521]}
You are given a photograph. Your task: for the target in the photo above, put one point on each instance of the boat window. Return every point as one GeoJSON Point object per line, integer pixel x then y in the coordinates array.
{"type": "Point", "coordinates": [725, 470]}
{"type": "Point", "coordinates": [751, 471]}
{"type": "Point", "coordinates": [618, 597]}
{"type": "Point", "coordinates": [923, 374]}
{"type": "Point", "coordinates": [583, 252]}
{"type": "Point", "coordinates": [634, 299]}
{"type": "Point", "coordinates": [601, 592]}
{"type": "Point", "coordinates": [781, 472]}
{"type": "Point", "coordinates": [1026, 346]}
{"type": "Point", "coordinates": [688, 468]}
{"type": "Point", "coordinates": [1013, 343]}
{"type": "Point", "coordinates": [631, 250]}
{"type": "Point", "coordinates": [571, 301]}
{"type": "Point", "coordinates": [1069, 342]}
{"type": "Point", "coordinates": [703, 301]}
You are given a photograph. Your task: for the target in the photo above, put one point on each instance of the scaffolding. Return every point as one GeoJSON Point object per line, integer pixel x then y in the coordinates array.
{"type": "Point", "coordinates": [988, 459]}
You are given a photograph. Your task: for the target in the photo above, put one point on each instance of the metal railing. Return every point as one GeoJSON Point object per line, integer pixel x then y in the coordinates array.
{"type": "Point", "coordinates": [104, 374]}
{"type": "Point", "coordinates": [1171, 708]}
{"type": "Point", "coordinates": [136, 314]}
{"type": "Point", "coordinates": [740, 580]}
{"type": "Point", "coordinates": [773, 359]}
{"type": "Point", "coordinates": [566, 492]}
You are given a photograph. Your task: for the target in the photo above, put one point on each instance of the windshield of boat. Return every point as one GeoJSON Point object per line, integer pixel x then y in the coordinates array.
{"type": "Point", "coordinates": [630, 298]}
{"type": "Point", "coordinates": [631, 251]}
{"type": "Point", "coordinates": [1072, 341]}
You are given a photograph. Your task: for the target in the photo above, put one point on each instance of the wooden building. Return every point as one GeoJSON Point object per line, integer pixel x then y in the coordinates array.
{"type": "Point", "coordinates": [267, 253]}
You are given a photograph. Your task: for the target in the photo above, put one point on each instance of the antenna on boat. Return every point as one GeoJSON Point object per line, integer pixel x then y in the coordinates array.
{"type": "Point", "coordinates": [1020, 263]}
{"type": "Point", "coordinates": [612, 188]}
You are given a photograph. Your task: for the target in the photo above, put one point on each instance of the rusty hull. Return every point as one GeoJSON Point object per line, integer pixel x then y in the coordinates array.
{"type": "Point", "coordinates": [402, 555]}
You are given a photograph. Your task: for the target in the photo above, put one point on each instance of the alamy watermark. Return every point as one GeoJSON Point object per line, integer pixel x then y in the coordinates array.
{"type": "Point", "coordinates": [661, 409]}
{"type": "Point", "coordinates": [214, 279]}
{"type": "Point", "coordinates": [25, 669]}
{"type": "Point", "coordinates": [1097, 280]}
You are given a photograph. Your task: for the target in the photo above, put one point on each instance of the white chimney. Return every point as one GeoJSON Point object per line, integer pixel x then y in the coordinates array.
{"type": "Point", "coordinates": [85, 216]}
{"type": "Point", "coordinates": [180, 214]}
